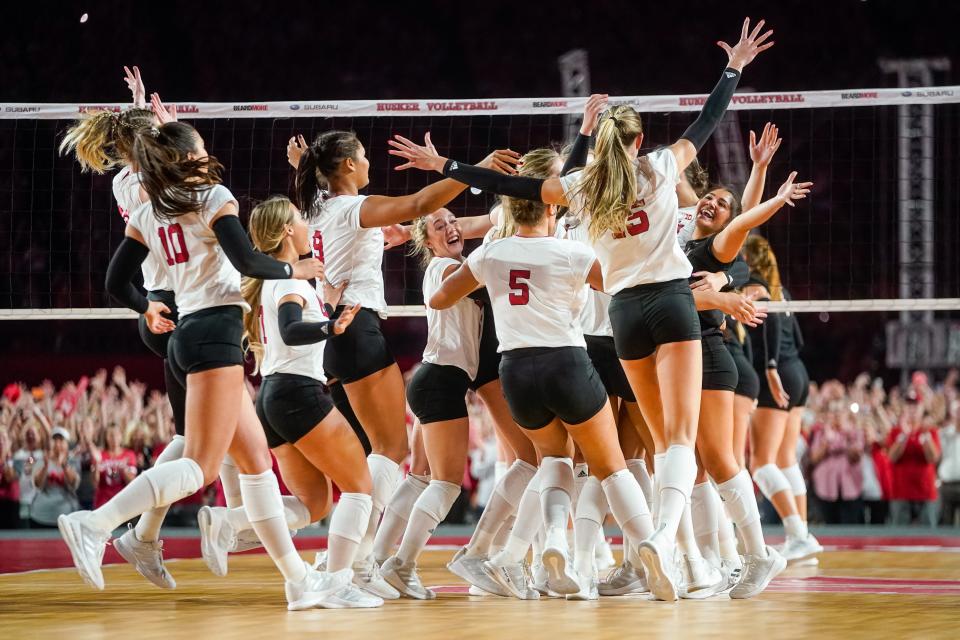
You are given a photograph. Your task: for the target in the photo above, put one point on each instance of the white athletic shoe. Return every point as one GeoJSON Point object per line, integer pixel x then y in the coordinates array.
{"type": "Point", "coordinates": [731, 571]}
{"type": "Point", "coordinates": [366, 575]}
{"type": "Point", "coordinates": [704, 580]}
{"type": "Point", "coordinates": [470, 568]}
{"type": "Point", "coordinates": [603, 556]}
{"type": "Point", "coordinates": [315, 588]}
{"type": "Point", "coordinates": [757, 574]}
{"type": "Point", "coordinates": [659, 566]}
{"type": "Point", "coordinates": [351, 597]}
{"type": "Point", "coordinates": [588, 588]}
{"type": "Point", "coordinates": [86, 546]}
{"type": "Point", "coordinates": [247, 540]}
{"type": "Point", "coordinates": [514, 578]}
{"type": "Point", "coordinates": [474, 590]}
{"type": "Point", "coordinates": [623, 580]}
{"type": "Point", "coordinates": [538, 578]}
{"type": "Point", "coordinates": [217, 537]}
{"type": "Point", "coordinates": [320, 561]}
{"type": "Point", "coordinates": [146, 558]}
{"type": "Point", "coordinates": [405, 579]}
{"type": "Point", "coordinates": [561, 578]}
{"type": "Point", "coordinates": [797, 549]}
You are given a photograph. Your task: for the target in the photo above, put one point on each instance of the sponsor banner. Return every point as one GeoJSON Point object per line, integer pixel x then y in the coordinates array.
{"type": "Point", "coordinates": [506, 106]}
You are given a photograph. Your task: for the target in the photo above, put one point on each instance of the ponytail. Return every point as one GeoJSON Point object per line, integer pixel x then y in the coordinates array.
{"type": "Point", "coordinates": [418, 234]}
{"type": "Point", "coordinates": [104, 139]}
{"type": "Point", "coordinates": [759, 255]}
{"type": "Point", "coordinates": [319, 162]}
{"type": "Point", "coordinates": [251, 290]}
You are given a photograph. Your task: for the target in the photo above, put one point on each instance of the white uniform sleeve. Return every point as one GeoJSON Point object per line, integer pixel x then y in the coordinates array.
{"type": "Point", "coordinates": [301, 288]}
{"type": "Point", "coordinates": [475, 263]}
{"type": "Point", "coordinates": [352, 211]}
{"type": "Point", "coordinates": [582, 258]}
{"type": "Point", "coordinates": [127, 190]}
{"type": "Point", "coordinates": [214, 200]}
{"type": "Point", "coordinates": [570, 184]}
{"type": "Point", "coordinates": [135, 220]}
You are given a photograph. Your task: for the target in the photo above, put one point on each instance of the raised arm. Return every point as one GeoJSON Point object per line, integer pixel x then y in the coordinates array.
{"type": "Point", "coordinates": [761, 153]}
{"type": "Point", "coordinates": [738, 57]}
{"type": "Point", "coordinates": [728, 242]}
{"type": "Point", "coordinates": [580, 150]}
{"type": "Point", "coordinates": [454, 288]}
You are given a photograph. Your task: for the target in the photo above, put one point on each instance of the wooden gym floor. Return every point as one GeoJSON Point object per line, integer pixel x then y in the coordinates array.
{"type": "Point", "coordinates": [852, 594]}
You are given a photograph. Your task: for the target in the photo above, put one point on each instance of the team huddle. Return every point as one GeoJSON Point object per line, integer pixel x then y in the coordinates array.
{"type": "Point", "coordinates": [608, 322]}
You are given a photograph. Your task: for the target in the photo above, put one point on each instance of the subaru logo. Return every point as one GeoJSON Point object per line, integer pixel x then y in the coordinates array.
{"type": "Point", "coordinates": [294, 107]}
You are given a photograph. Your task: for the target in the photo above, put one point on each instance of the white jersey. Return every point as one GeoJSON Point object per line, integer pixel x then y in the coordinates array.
{"type": "Point", "coordinates": [126, 191]}
{"type": "Point", "coordinates": [453, 335]}
{"type": "Point", "coordinates": [350, 252]}
{"type": "Point", "coordinates": [595, 314]}
{"type": "Point", "coordinates": [648, 252]}
{"type": "Point", "coordinates": [278, 356]}
{"type": "Point", "coordinates": [686, 225]}
{"type": "Point", "coordinates": [191, 258]}
{"type": "Point", "coordinates": [536, 288]}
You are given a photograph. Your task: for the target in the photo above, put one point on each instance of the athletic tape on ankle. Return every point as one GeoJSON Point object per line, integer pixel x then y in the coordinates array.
{"type": "Point", "coordinates": [592, 504]}
{"type": "Point", "coordinates": [437, 499]}
{"type": "Point", "coordinates": [795, 477]}
{"type": "Point", "coordinates": [261, 496]}
{"type": "Point", "coordinates": [770, 480]}
{"type": "Point", "coordinates": [174, 480]}
{"type": "Point", "coordinates": [351, 516]}
{"type": "Point", "coordinates": [513, 483]}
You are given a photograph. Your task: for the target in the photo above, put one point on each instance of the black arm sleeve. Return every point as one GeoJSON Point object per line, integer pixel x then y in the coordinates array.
{"type": "Point", "coordinates": [120, 274]}
{"type": "Point", "coordinates": [242, 255]}
{"type": "Point", "coordinates": [771, 340]}
{"type": "Point", "coordinates": [713, 109]}
{"type": "Point", "coordinates": [739, 273]}
{"type": "Point", "coordinates": [578, 154]}
{"type": "Point", "coordinates": [295, 332]}
{"type": "Point", "coordinates": [493, 182]}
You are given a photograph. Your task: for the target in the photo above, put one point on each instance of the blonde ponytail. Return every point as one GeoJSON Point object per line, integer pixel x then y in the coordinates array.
{"type": "Point", "coordinates": [104, 139]}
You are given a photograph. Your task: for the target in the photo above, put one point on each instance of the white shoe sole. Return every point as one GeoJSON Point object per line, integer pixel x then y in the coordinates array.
{"type": "Point", "coordinates": [558, 579]}
{"type": "Point", "coordinates": [335, 603]}
{"type": "Point", "coordinates": [130, 556]}
{"type": "Point", "coordinates": [658, 579]}
{"type": "Point", "coordinates": [395, 581]}
{"type": "Point", "coordinates": [774, 571]}
{"type": "Point", "coordinates": [498, 575]}
{"type": "Point", "coordinates": [90, 575]}
{"type": "Point", "coordinates": [486, 584]}
{"type": "Point", "coordinates": [707, 591]}
{"type": "Point", "coordinates": [207, 534]}
{"type": "Point", "coordinates": [310, 601]}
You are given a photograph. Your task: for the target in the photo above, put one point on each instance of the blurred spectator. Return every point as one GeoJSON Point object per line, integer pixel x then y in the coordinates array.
{"type": "Point", "coordinates": [56, 479]}
{"type": "Point", "coordinates": [837, 476]}
{"type": "Point", "coordinates": [914, 449]}
{"type": "Point", "coordinates": [25, 459]}
{"type": "Point", "coordinates": [116, 468]}
{"type": "Point", "coordinates": [877, 478]}
{"type": "Point", "coordinates": [9, 485]}
{"type": "Point", "coordinates": [949, 470]}
{"type": "Point", "coordinates": [87, 454]}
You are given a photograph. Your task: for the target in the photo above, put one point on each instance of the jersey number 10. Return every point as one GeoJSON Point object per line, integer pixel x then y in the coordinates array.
{"type": "Point", "coordinates": [172, 238]}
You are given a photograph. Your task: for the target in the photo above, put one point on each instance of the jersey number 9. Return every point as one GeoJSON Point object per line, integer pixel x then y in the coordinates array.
{"type": "Point", "coordinates": [521, 290]}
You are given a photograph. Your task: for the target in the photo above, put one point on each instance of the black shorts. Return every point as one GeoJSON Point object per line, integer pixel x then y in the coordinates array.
{"type": "Point", "coordinates": [543, 383]}
{"type": "Point", "coordinates": [207, 339]}
{"type": "Point", "coordinates": [342, 403]}
{"type": "Point", "coordinates": [648, 315]}
{"type": "Point", "coordinates": [438, 392]}
{"type": "Point", "coordinates": [719, 369]}
{"type": "Point", "coordinates": [359, 351]}
{"type": "Point", "coordinates": [489, 367]}
{"type": "Point", "coordinates": [748, 383]}
{"type": "Point", "coordinates": [796, 382]}
{"type": "Point", "coordinates": [290, 406]}
{"type": "Point", "coordinates": [158, 342]}
{"type": "Point", "coordinates": [603, 355]}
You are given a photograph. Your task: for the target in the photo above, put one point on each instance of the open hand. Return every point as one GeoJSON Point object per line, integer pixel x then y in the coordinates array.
{"type": "Point", "coordinates": [135, 84]}
{"type": "Point", "coordinates": [596, 104]}
{"type": "Point", "coordinates": [156, 321]}
{"type": "Point", "coordinates": [749, 45]}
{"type": "Point", "coordinates": [418, 157]}
{"type": "Point", "coordinates": [791, 190]}
{"type": "Point", "coordinates": [501, 161]}
{"type": "Point", "coordinates": [346, 317]}
{"type": "Point", "coordinates": [295, 148]}
{"type": "Point", "coordinates": [762, 152]}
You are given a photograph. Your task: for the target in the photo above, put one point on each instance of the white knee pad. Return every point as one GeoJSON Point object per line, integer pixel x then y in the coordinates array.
{"type": "Point", "coordinates": [592, 504]}
{"type": "Point", "coordinates": [173, 450]}
{"type": "Point", "coordinates": [174, 480]}
{"type": "Point", "coordinates": [770, 480]}
{"type": "Point", "coordinates": [406, 494]}
{"type": "Point", "coordinates": [351, 516]}
{"type": "Point", "coordinates": [739, 500]}
{"type": "Point", "coordinates": [627, 505]}
{"type": "Point", "coordinates": [437, 499]}
{"type": "Point", "coordinates": [557, 473]}
{"type": "Point", "coordinates": [261, 496]}
{"type": "Point", "coordinates": [795, 477]}
{"type": "Point", "coordinates": [679, 470]}
{"type": "Point", "coordinates": [514, 482]}
{"type": "Point", "coordinates": [385, 474]}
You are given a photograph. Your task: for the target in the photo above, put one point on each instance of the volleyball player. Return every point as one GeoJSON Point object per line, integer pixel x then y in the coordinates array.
{"type": "Point", "coordinates": [191, 223]}
{"type": "Point", "coordinates": [784, 385]}
{"type": "Point", "coordinates": [535, 281]}
{"type": "Point", "coordinates": [652, 313]}
{"type": "Point", "coordinates": [346, 235]}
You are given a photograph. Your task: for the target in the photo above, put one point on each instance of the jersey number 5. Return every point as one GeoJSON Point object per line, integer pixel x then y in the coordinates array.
{"type": "Point", "coordinates": [172, 238]}
{"type": "Point", "coordinates": [637, 223]}
{"type": "Point", "coordinates": [521, 290]}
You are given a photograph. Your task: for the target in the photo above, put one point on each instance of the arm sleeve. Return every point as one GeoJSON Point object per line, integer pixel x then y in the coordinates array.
{"type": "Point", "coordinates": [578, 154]}
{"type": "Point", "coordinates": [771, 340]}
{"type": "Point", "coordinates": [295, 332]}
{"type": "Point", "coordinates": [713, 109]}
{"type": "Point", "coordinates": [242, 255]}
{"type": "Point", "coordinates": [739, 273]}
{"type": "Point", "coordinates": [123, 268]}
{"type": "Point", "coordinates": [493, 182]}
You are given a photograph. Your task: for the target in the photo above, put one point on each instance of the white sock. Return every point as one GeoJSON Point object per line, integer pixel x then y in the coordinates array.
{"type": "Point", "coordinates": [629, 509]}
{"type": "Point", "coordinates": [556, 489]}
{"type": "Point", "coordinates": [230, 481]}
{"type": "Point", "coordinates": [264, 505]}
{"type": "Point", "coordinates": [580, 475]}
{"type": "Point", "coordinates": [431, 508]}
{"type": "Point", "coordinates": [396, 514]}
{"type": "Point", "coordinates": [706, 522]}
{"type": "Point", "coordinates": [503, 504]}
{"type": "Point", "coordinates": [385, 474]}
{"type": "Point", "coordinates": [157, 487]}
{"type": "Point", "coordinates": [148, 526]}
{"type": "Point", "coordinates": [525, 528]}
{"type": "Point", "coordinates": [499, 470]}
{"type": "Point", "coordinates": [741, 505]}
{"type": "Point", "coordinates": [499, 540]}
{"type": "Point", "coordinates": [795, 527]}
{"type": "Point", "coordinates": [658, 460]}
{"type": "Point", "coordinates": [638, 467]}
{"type": "Point", "coordinates": [347, 528]}
{"type": "Point", "coordinates": [795, 477]}
{"type": "Point", "coordinates": [591, 508]}
{"type": "Point", "coordinates": [676, 482]}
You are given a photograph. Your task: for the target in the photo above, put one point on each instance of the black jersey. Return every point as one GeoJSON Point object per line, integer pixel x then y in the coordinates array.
{"type": "Point", "coordinates": [700, 254]}
{"type": "Point", "coordinates": [731, 337]}
{"type": "Point", "coordinates": [791, 340]}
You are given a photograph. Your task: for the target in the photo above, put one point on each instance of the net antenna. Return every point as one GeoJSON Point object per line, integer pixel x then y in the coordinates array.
{"type": "Point", "coordinates": [912, 340]}
{"type": "Point", "coordinates": [575, 77]}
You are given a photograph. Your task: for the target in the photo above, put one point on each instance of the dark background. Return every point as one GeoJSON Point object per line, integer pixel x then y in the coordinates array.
{"type": "Point", "coordinates": [244, 51]}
